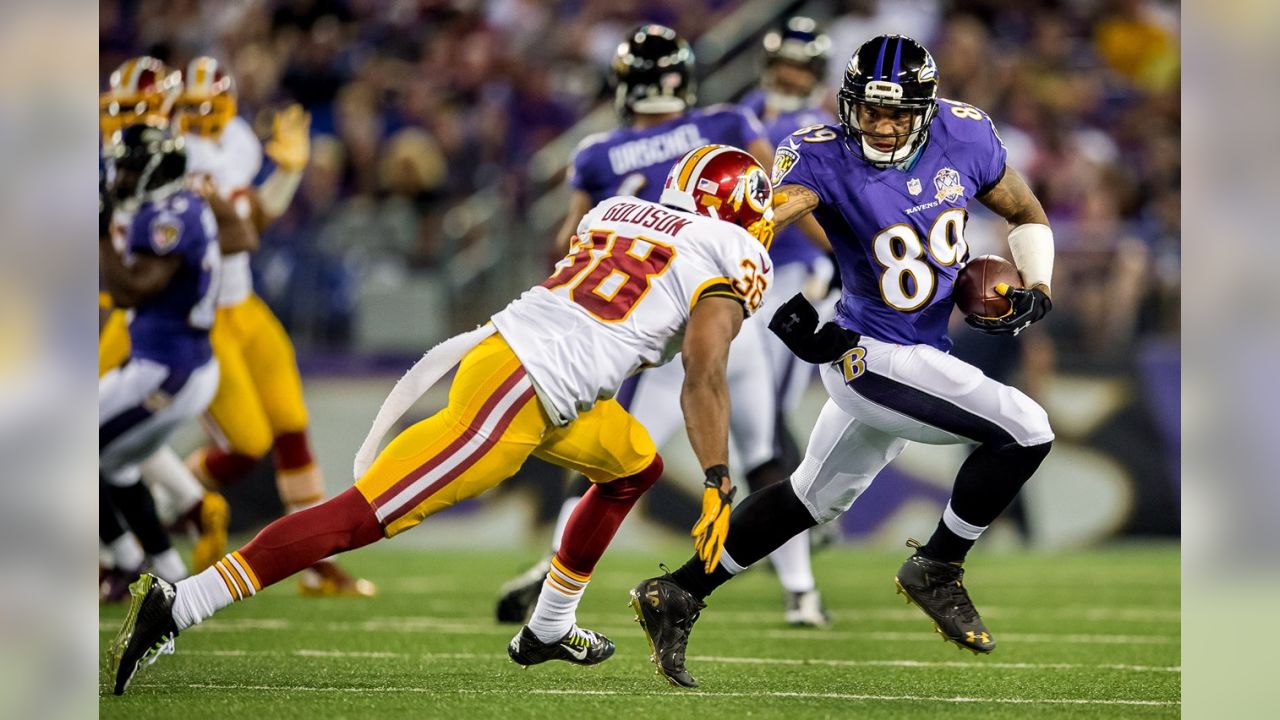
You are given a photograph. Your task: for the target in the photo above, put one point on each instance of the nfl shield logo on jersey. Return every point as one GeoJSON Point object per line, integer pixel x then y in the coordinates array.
{"type": "Point", "coordinates": [913, 186]}
{"type": "Point", "coordinates": [947, 181]}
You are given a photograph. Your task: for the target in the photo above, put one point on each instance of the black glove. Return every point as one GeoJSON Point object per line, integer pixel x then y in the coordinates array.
{"type": "Point", "coordinates": [795, 323]}
{"type": "Point", "coordinates": [1029, 305]}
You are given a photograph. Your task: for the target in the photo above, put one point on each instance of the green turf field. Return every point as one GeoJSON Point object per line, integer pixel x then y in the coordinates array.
{"type": "Point", "coordinates": [1085, 635]}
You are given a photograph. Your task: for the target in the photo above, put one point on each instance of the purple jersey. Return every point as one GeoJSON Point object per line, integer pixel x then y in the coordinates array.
{"type": "Point", "coordinates": [630, 161]}
{"type": "Point", "coordinates": [898, 232]}
{"type": "Point", "coordinates": [791, 245]}
{"type": "Point", "coordinates": [172, 326]}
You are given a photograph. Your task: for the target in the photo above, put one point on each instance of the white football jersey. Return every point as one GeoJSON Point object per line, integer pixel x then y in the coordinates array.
{"type": "Point", "coordinates": [620, 300]}
{"type": "Point", "coordinates": [231, 162]}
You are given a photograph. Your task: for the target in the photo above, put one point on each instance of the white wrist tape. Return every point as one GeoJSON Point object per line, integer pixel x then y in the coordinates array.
{"type": "Point", "coordinates": [1032, 247]}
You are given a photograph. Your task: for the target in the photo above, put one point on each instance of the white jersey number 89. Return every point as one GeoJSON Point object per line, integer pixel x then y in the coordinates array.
{"type": "Point", "coordinates": [900, 252]}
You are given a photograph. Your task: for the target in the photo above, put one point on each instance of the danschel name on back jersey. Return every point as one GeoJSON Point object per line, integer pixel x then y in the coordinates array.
{"type": "Point", "coordinates": [898, 232]}
{"type": "Point", "coordinates": [633, 161]}
{"type": "Point", "coordinates": [232, 162]}
{"type": "Point", "coordinates": [172, 327]}
{"type": "Point", "coordinates": [619, 301]}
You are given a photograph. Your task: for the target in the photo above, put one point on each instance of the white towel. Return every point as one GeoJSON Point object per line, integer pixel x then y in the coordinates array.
{"type": "Point", "coordinates": [415, 383]}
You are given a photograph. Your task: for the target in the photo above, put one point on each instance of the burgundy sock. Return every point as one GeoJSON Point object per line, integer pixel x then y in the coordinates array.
{"type": "Point", "coordinates": [598, 515]}
{"type": "Point", "coordinates": [301, 539]}
{"type": "Point", "coordinates": [227, 467]}
{"type": "Point", "coordinates": [292, 452]}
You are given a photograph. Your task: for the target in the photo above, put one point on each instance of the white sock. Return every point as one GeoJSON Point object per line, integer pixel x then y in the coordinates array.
{"type": "Point", "coordinates": [202, 595]}
{"type": "Point", "coordinates": [199, 597]}
{"type": "Point", "coordinates": [126, 553]}
{"type": "Point", "coordinates": [960, 527]}
{"type": "Point", "coordinates": [791, 560]}
{"type": "Point", "coordinates": [169, 566]}
{"type": "Point", "coordinates": [164, 469]}
{"type": "Point", "coordinates": [566, 510]}
{"type": "Point", "coordinates": [557, 607]}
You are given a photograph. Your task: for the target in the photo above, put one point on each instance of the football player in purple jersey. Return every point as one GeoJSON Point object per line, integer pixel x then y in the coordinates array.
{"type": "Point", "coordinates": [167, 277]}
{"type": "Point", "coordinates": [891, 184]}
{"type": "Point", "coordinates": [653, 79]}
{"type": "Point", "coordinates": [791, 97]}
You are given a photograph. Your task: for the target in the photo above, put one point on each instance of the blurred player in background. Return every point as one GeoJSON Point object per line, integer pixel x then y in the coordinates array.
{"type": "Point", "coordinates": [653, 79]}
{"type": "Point", "coordinates": [259, 405]}
{"type": "Point", "coordinates": [642, 281]}
{"type": "Point", "coordinates": [891, 184]}
{"type": "Point", "coordinates": [167, 275]}
{"type": "Point", "coordinates": [791, 97]}
{"type": "Point", "coordinates": [143, 90]}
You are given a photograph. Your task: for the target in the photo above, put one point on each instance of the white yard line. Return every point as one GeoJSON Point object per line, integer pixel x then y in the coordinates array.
{"type": "Point", "coordinates": [726, 660]}
{"type": "Point", "coordinates": [1070, 638]}
{"type": "Point", "coordinates": [440, 625]}
{"type": "Point", "coordinates": [671, 693]}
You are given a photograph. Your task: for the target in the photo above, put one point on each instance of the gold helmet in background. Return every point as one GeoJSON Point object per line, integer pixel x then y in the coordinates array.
{"type": "Point", "coordinates": [141, 90]}
{"type": "Point", "coordinates": [208, 99]}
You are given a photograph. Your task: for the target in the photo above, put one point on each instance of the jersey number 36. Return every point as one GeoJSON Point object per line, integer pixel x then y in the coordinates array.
{"type": "Point", "coordinates": [607, 274]}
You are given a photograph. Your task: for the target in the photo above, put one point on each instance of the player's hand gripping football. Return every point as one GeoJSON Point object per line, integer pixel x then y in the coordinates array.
{"type": "Point", "coordinates": [1027, 306]}
{"type": "Point", "coordinates": [712, 528]}
{"type": "Point", "coordinates": [290, 143]}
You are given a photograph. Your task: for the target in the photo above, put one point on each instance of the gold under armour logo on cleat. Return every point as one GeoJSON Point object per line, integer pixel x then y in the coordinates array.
{"type": "Point", "coordinates": [971, 636]}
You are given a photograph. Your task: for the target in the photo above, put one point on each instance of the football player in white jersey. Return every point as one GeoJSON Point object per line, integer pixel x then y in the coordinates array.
{"type": "Point", "coordinates": [259, 406]}
{"type": "Point", "coordinates": [642, 282]}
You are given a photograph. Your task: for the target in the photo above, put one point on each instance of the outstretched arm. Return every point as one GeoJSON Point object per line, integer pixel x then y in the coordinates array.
{"type": "Point", "coordinates": [799, 201]}
{"type": "Point", "coordinates": [704, 398]}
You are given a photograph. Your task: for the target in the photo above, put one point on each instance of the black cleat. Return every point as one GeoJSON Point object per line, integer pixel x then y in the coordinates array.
{"type": "Point", "coordinates": [937, 588]}
{"type": "Point", "coordinates": [148, 631]}
{"type": "Point", "coordinates": [667, 613]}
{"type": "Point", "coordinates": [519, 594]}
{"type": "Point", "coordinates": [580, 647]}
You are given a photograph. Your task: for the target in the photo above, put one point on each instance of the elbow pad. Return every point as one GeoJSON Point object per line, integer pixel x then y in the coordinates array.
{"type": "Point", "coordinates": [796, 324]}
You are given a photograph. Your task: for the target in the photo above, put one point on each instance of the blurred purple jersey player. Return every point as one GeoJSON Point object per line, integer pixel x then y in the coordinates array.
{"type": "Point", "coordinates": [890, 185]}
{"type": "Point", "coordinates": [654, 95]}
{"type": "Point", "coordinates": [167, 276]}
{"type": "Point", "coordinates": [790, 97]}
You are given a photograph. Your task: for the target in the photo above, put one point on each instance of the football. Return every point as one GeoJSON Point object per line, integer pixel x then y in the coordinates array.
{"type": "Point", "coordinates": [975, 290]}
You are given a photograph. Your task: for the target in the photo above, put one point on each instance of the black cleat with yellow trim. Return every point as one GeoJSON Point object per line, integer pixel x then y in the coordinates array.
{"type": "Point", "coordinates": [148, 631]}
{"type": "Point", "coordinates": [667, 613]}
{"type": "Point", "coordinates": [937, 588]}
{"type": "Point", "coordinates": [579, 646]}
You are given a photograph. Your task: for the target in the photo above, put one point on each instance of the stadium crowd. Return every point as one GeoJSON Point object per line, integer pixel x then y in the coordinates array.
{"type": "Point", "coordinates": [418, 104]}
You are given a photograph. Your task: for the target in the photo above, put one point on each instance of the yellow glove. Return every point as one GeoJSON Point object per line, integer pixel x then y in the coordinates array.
{"type": "Point", "coordinates": [763, 229]}
{"type": "Point", "coordinates": [290, 143]}
{"type": "Point", "coordinates": [712, 528]}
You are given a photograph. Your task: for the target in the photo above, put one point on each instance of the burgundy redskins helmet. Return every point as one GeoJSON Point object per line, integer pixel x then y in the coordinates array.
{"type": "Point", "coordinates": [725, 183]}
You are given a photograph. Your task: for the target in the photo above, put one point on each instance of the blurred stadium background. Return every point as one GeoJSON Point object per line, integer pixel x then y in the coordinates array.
{"type": "Point", "coordinates": [441, 131]}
